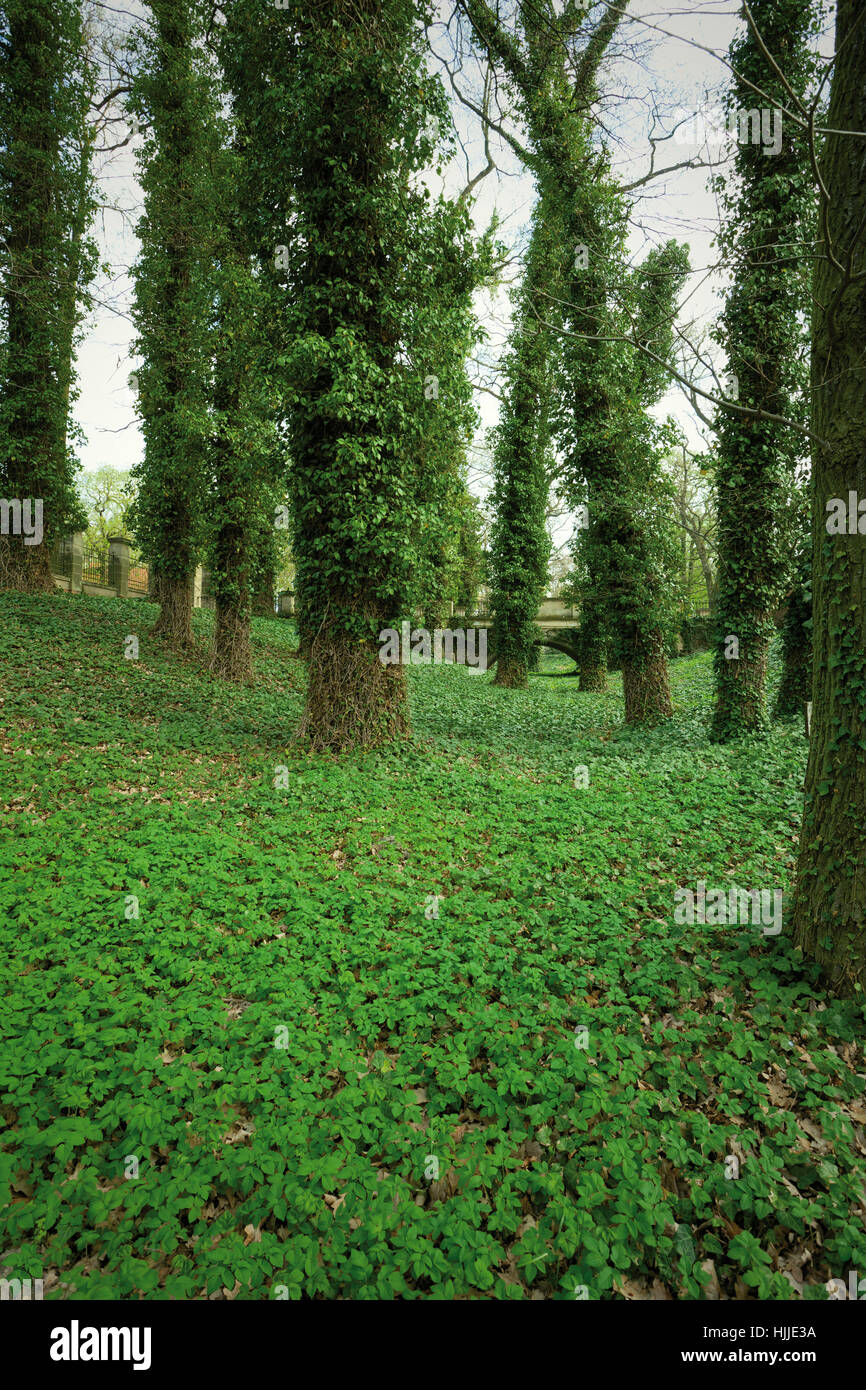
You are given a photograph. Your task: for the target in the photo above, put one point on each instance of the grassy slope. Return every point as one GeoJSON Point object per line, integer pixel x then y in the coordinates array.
{"type": "Point", "coordinates": [288, 1040]}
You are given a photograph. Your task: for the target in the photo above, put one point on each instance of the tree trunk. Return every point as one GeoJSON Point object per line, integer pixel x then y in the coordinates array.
{"type": "Point", "coordinates": [175, 610]}
{"type": "Point", "coordinates": [25, 567]}
{"type": "Point", "coordinates": [740, 680]}
{"type": "Point", "coordinates": [511, 673]}
{"type": "Point", "coordinates": [795, 686]}
{"type": "Point", "coordinates": [592, 662]}
{"type": "Point", "coordinates": [829, 920]}
{"type": "Point", "coordinates": [40, 282]}
{"type": "Point", "coordinates": [645, 683]}
{"type": "Point", "coordinates": [353, 700]}
{"type": "Point", "coordinates": [767, 215]}
{"type": "Point", "coordinates": [232, 657]}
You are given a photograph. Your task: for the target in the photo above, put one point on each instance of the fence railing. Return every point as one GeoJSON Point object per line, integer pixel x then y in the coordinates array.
{"type": "Point", "coordinates": [139, 580]}
{"type": "Point", "coordinates": [94, 567]}
{"type": "Point", "coordinates": [61, 558]}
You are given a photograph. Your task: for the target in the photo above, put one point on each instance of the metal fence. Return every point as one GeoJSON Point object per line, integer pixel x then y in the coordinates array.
{"type": "Point", "coordinates": [94, 568]}
{"type": "Point", "coordinates": [61, 558]}
{"type": "Point", "coordinates": [138, 579]}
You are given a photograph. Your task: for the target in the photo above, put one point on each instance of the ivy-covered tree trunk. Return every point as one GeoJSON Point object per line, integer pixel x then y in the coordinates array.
{"type": "Point", "coordinates": [368, 328]}
{"type": "Point", "coordinates": [45, 208]}
{"type": "Point", "coordinates": [246, 457]}
{"type": "Point", "coordinates": [174, 93]}
{"type": "Point", "coordinates": [645, 682]}
{"type": "Point", "coordinates": [520, 547]}
{"type": "Point", "coordinates": [829, 921]}
{"type": "Point", "coordinates": [231, 560]}
{"type": "Point", "coordinates": [609, 447]}
{"type": "Point", "coordinates": [345, 463]}
{"type": "Point", "coordinates": [637, 510]}
{"type": "Point", "coordinates": [765, 234]}
{"type": "Point", "coordinates": [592, 661]}
{"type": "Point", "coordinates": [795, 686]}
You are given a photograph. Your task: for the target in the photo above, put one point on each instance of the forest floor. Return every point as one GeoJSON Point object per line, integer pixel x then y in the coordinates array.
{"type": "Point", "coordinates": [418, 1024]}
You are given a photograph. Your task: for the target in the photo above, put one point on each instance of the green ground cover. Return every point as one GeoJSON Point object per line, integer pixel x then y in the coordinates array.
{"type": "Point", "coordinates": [339, 1043]}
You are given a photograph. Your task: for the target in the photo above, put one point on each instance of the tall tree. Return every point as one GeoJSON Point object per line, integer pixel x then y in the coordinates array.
{"type": "Point", "coordinates": [246, 461]}
{"type": "Point", "coordinates": [174, 96]}
{"type": "Point", "coordinates": [256, 47]}
{"type": "Point", "coordinates": [46, 204]}
{"type": "Point", "coordinates": [519, 543]}
{"type": "Point", "coordinates": [765, 236]}
{"type": "Point", "coordinates": [829, 921]}
{"type": "Point", "coordinates": [633, 496]}
{"type": "Point", "coordinates": [369, 243]}
{"type": "Point", "coordinates": [551, 60]}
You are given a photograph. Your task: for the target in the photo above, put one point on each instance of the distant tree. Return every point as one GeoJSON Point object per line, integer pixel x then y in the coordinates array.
{"type": "Point", "coordinates": [470, 569]}
{"type": "Point", "coordinates": [519, 543]}
{"type": "Point", "coordinates": [106, 493]}
{"type": "Point", "coordinates": [691, 474]}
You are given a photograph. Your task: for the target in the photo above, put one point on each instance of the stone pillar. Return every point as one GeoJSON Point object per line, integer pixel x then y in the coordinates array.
{"type": "Point", "coordinates": [196, 587]}
{"type": "Point", "coordinates": [77, 562]}
{"type": "Point", "coordinates": [118, 565]}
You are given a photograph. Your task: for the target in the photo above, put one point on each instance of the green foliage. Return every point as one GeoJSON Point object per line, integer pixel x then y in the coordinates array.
{"type": "Point", "coordinates": [47, 257]}
{"type": "Point", "coordinates": [406, 1035]}
{"type": "Point", "coordinates": [106, 493]}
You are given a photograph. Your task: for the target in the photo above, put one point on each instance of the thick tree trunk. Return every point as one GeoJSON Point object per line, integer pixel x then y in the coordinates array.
{"type": "Point", "coordinates": [740, 680]}
{"type": "Point", "coordinates": [232, 657]}
{"type": "Point", "coordinates": [25, 567]}
{"type": "Point", "coordinates": [511, 673]}
{"type": "Point", "coordinates": [829, 920]}
{"type": "Point", "coordinates": [645, 683]}
{"type": "Point", "coordinates": [353, 700]}
{"type": "Point", "coordinates": [592, 662]}
{"type": "Point", "coordinates": [39, 292]}
{"type": "Point", "coordinates": [768, 215]}
{"type": "Point", "coordinates": [175, 611]}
